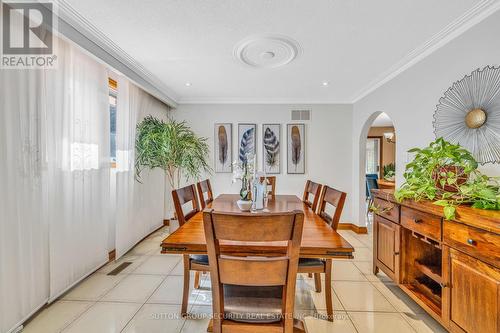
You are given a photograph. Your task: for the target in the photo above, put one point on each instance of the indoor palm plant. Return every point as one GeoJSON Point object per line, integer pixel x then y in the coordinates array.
{"type": "Point", "coordinates": [172, 146]}
{"type": "Point", "coordinates": [447, 174]}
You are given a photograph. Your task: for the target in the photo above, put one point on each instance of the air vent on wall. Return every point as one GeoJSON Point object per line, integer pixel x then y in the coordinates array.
{"type": "Point", "coordinates": [301, 114]}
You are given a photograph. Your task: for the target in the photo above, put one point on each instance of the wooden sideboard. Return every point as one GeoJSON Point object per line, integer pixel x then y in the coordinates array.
{"type": "Point", "coordinates": [450, 268]}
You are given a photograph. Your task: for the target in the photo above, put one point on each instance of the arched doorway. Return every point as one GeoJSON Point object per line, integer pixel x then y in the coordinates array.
{"type": "Point", "coordinates": [377, 159]}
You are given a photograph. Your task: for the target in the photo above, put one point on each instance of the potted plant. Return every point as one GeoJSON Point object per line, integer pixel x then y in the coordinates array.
{"type": "Point", "coordinates": [389, 172]}
{"type": "Point", "coordinates": [447, 174]}
{"type": "Point", "coordinates": [243, 171]}
{"type": "Point", "coordinates": [172, 146]}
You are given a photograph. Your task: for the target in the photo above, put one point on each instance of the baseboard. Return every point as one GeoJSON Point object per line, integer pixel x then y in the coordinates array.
{"type": "Point", "coordinates": [353, 227]}
{"type": "Point", "coordinates": [112, 255]}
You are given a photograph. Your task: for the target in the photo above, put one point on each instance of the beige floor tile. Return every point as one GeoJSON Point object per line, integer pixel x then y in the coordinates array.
{"type": "Point", "coordinates": [424, 323]}
{"type": "Point", "coordinates": [57, 316]}
{"type": "Point", "coordinates": [397, 297]}
{"type": "Point", "coordinates": [362, 254]}
{"type": "Point", "coordinates": [170, 291]}
{"type": "Point", "coordinates": [366, 267]}
{"type": "Point", "coordinates": [198, 319]}
{"type": "Point", "coordinates": [178, 269]}
{"type": "Point", "coordinates": [144, 248]}
{"type": "Point", "coordinates": [345, 271]}
{"type": "Point", "coordinates": [93, 288]}
{"type": "Point", "coordinates": [104, 318]}
{"type": "Point", "coordinates": [376, 322]}
{"type": "Point", "coordinates": [134, 288]}
{"type": "Point", "coordinates": [156, 318]}
{"type": "Point", "coordinates": [158, 264]}
{"type": "Point", "coordinates": [306, 297]}
{"type": "Point", "coordinates": [361, 296]}
{"type": "Point", "coordinates": [340, 324]}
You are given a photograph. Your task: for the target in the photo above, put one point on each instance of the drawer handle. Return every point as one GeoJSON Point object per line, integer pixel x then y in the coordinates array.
{"type": "Point", "coordinates": [470, 241]}
{"type": "Point", "coordinates": [417, 220]}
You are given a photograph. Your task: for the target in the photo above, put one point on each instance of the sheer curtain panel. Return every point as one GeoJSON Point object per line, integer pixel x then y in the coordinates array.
{"type": "Point", "coordinates": [24, 254]}
{"type": "Point", "coordinates": [78, 141]}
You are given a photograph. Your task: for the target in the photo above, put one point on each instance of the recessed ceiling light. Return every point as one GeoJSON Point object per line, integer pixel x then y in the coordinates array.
{"type": "Point", "coordinates": [188, 84]}
{"type": "Point", "coordinates": [325, 83]}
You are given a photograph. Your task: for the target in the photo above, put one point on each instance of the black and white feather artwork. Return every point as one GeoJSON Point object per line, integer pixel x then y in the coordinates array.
{"type": "Point", "coordinates": [247, 141]}
{"type": "Point", "coordinates": [271, 142]}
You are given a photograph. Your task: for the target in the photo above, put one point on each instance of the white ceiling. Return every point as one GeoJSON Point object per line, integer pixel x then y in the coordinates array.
{"type": "Point", "coordinates": [351, 44]}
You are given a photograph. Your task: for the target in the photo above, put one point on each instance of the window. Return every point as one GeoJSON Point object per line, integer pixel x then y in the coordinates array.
{"type": "Point", "coordinates": [373, 155]}
{"type": "Point", "coordinates": [112, 119]}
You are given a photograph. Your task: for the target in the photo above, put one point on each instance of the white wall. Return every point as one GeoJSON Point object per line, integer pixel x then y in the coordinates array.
{"type": "Point", "coordinates": [410, 99]}
{"type": "Point", "coordinates": [328, 137]}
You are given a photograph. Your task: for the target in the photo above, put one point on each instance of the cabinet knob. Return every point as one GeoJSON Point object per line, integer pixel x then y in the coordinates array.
{"type": "Point", "coordinates": [444, 285]}
{"type": "Point", "coordinates": [470, 241]}
{"type": "Point", "coordinates": [417, 220]}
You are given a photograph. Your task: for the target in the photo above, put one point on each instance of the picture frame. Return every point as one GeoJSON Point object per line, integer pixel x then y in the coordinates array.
{"type": "Point", "coordinates": [296, 148]}
{"type": "Point", "coordinates": [223, 147]}
{"type": "Point", "coordinates": [247, 140]}
{"type": "Point", "coordinates": [271, 148]}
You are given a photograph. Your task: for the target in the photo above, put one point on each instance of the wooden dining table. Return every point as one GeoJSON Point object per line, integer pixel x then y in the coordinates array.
{"type": "Point", "coordinates": [319, 240]}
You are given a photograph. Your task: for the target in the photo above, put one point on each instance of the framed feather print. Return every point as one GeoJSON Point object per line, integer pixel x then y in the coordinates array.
{"type": "Point", "coordinates": [271, 141]}
{"type": "Point", "coordinates": [223, 148]}
{"type": "Point", "coordinates": [296, 149]}
{"type": "Point", "coordinates": [247, 143]}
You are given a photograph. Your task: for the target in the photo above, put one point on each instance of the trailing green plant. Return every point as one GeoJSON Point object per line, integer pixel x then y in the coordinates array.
{"type": "Point", "coordinates": [171, 146]}
{"type": "Point", "coordinates": [389, 171]}
{"type": "Point", "coordinates": [447, 174]}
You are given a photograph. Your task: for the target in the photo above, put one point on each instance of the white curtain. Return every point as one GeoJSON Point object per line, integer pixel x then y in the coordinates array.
{"type": "Point", "coordinates": [139, 205]}
{"type": "Point", "coordinates": [24, 255]}
{"type": "Point", "coordinates": [78, 139]}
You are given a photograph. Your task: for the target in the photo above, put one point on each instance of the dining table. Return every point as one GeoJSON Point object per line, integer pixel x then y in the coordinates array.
{"type": "Point", "coordinates": [319, 240]}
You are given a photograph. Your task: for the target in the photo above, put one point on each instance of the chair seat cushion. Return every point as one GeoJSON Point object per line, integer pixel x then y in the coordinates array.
{"type": "Point", "coordinates": [311, 262]}
{"type": "Point", "coordinates": [253, 304]}
{"type": "Point", "coordinates": [199, 259]}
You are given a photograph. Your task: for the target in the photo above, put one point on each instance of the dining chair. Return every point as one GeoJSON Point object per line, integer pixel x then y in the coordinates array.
{"type": "Point", "coordinates": [313, 189]}
{"type": "Point", "coordinates": [271, 182]}
{"type": "Point", "coordinates": [371, 184]}
{"type": "Point", "coordinates": [335, 199]}
{"type": "Point", "coordinates": [197, 263]}
{"type": "Point", "coordinates": [373, 176]}
{"type": "Point", "coordinates": [205, 187]}
{"type": "Point", "coordinates": [253, 294]}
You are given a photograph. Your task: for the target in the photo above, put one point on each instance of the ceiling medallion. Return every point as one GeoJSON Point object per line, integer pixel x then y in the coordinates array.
{"type": "Point", "coordinates": [469, 114]}
{"type": "Point", "coordinates": [267, 51]}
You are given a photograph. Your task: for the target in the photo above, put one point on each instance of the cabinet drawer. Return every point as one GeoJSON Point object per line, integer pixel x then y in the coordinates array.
{"type": "Point", "coordinates": [387, 209]}
{"type": "Point", "coordinates": [423, 223]}
{"type": "Point", "coordinates": [476, 242]}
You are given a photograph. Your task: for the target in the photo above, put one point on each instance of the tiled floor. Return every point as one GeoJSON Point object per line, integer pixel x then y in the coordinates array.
{"type": "Point", "coordinates": [146, 298]}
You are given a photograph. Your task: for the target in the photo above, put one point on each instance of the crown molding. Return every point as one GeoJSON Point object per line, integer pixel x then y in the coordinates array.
{"type": "Point", "coordinates": [78, 29]}
{"type": "Point", "coordinates": [470, 18]}
{"type": "Point", "coordinates": [235, 100]}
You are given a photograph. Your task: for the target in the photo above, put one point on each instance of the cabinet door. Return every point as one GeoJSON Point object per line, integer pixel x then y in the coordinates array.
{"type": "Point", "coordinates": [474, 304]}
{"type": "Point", "coordinates": [387, 247]}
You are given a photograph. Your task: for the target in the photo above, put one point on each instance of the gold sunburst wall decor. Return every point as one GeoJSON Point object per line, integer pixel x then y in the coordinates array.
{"type": "Point", "coordinates": [469, 114]}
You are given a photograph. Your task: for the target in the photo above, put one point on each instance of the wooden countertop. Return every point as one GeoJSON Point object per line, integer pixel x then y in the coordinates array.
{"type": "Point", "coordinates": [480, 218]}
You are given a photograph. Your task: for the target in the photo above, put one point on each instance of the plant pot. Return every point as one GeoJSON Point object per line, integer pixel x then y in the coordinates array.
{"type": "Point", "coordinates": [244, 205]}
{"type": "Point", "coordinates": [438, 176]}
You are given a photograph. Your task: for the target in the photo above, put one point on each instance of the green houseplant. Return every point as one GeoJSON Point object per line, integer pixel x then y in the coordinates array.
{"type": "Point", "coordinates": [389, 171]}
{"type": "Point", "coordinates": [172, 146]}
{"type": "Point", "coordinates": [447, 174]}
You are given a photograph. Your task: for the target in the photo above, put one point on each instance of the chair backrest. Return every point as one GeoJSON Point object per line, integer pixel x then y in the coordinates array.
{"type": "Point", "coordinates": [334, 198]}
{"type": "Point", "coordinates": [261, 271]}
{"type": "Point", "coordinates": [182, 196]}
{"type": "Point", "coordinates": [205, 187]}
{"type": "Point", "coordinates": [313, 189]}
{"type": "Point", "coordinates": [370, 175]}
{"type": "Point", "coordinates": [371, 183]}
{"type": "Point", "coordinates": [272, 183]}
